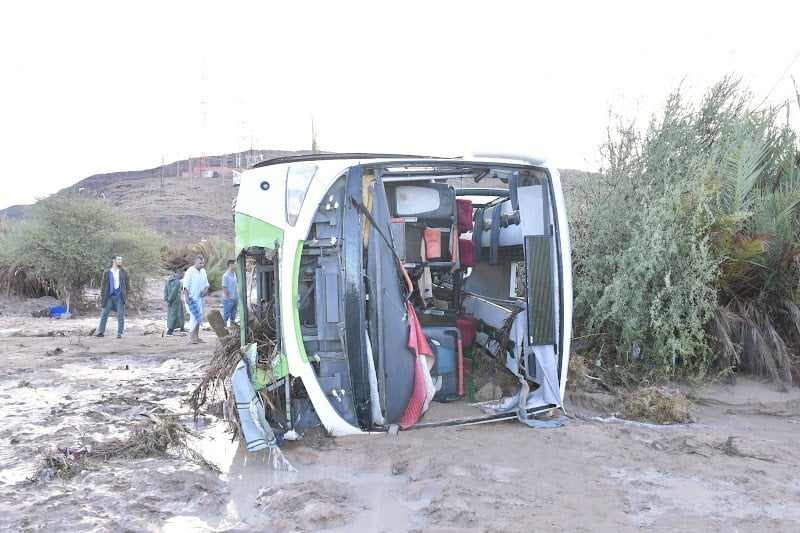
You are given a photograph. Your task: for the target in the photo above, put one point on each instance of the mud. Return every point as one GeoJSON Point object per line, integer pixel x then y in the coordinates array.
{"type": "Point", "coordinates": [733, 469]}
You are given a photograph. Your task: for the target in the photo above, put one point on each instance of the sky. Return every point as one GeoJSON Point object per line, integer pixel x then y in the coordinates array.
{"type": "Point", "coordinates": [91, 87]}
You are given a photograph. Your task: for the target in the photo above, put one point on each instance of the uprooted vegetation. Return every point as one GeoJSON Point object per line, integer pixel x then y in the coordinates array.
{"type": "Point", "coordinates": [157, 435]}
{"type": "Point", "coordinates": [654, 404]}
{"type": "Point", "coordinates": [227, 354]}
{"type": "Point", "coordinates": [659, 405]}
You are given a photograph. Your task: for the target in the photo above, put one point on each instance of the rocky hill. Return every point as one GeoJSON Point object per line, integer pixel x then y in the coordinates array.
{"type": "Point", "coordinates": [184, 209]}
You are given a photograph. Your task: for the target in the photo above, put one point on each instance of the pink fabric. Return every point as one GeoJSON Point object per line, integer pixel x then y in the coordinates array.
{"type": "Point", "coordinates": [433, 243]}
{"type": "Point", "coordinates": [419, 344]}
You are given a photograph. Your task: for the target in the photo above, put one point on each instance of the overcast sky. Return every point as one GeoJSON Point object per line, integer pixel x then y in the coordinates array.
{"type": "Point", "coordinates": [94, 87]}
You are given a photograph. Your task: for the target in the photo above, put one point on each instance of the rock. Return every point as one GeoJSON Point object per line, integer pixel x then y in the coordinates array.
{"type": "Point", "coordinates": [217, 324]}
{"type": "Point", "coordinates": [490, 391]}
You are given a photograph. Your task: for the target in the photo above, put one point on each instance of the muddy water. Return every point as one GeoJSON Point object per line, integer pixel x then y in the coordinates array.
{"type": "Point", "coordinates": [375, 502]}
{"type": "Point", "coordinates": [60, 391]}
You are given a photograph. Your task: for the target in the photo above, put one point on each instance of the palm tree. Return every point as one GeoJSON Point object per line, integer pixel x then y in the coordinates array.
{"type": "Point", "coordinates": [757, 321]}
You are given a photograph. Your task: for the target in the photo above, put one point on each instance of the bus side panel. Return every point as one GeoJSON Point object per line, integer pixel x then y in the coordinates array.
{"type": "Point", "coordinates": [388, 321]}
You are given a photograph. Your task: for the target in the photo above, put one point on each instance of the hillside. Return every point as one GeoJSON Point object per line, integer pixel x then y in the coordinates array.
{"type": "Point", "coordinates": [184, 209]}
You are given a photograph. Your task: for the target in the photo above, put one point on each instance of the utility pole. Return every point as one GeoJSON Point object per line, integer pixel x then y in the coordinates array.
{"type": "Point", "coordinates": [162, 175]}
{"type": "Point", "coordinates": [314, 145]}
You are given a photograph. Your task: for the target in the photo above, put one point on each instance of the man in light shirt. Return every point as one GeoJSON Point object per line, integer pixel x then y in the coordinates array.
{"type": "Point", "coordinates": [230, 299]}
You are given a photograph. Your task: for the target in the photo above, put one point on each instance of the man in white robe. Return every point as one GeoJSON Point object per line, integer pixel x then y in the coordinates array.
{"type": "Point", "coordinates": [195, 287]}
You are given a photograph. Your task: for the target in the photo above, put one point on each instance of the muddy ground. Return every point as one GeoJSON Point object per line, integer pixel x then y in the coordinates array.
{"type": "Point", "coordinates": [734, 469]}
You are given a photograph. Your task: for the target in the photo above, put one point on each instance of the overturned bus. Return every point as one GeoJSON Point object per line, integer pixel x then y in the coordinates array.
{"type": "Point", "coordinates": [376, 274]}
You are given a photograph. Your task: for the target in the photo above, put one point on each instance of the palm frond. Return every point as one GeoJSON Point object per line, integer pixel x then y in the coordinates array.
{"type": "Point", "coordinates": [722, 325]}
{"type": "Point", "coordinates": [764, 351]}
{"type": "Point", "coordinates": [743, 264]}
{"type": "Point", "coordinates": [793, 311]}
{"type": "Point", "coordinates": [740, 167]}
{"type": "Point", "coordinates": [777, 212]}
{"type": "Point", "coordinates": [779, 351]}
{"type": "Point", "coordinates": [755, 351]}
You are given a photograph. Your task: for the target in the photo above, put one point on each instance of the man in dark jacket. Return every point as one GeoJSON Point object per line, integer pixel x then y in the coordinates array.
{"type": "Point", "coordinates": [173, 292]}
{"type": "Point", "coordinates": [114, 289]}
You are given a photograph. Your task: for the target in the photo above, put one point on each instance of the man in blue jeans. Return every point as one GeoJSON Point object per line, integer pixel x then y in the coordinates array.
{"type": "Point", "coordinates": [114, 289]}
{"type": "Point", "coordinates": [230, 296]}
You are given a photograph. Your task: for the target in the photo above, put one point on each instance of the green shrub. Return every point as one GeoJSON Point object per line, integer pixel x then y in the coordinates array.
{"type": "Point", "coordinates": [68, 241]}
{"type": "Point", "coordinates": [685, 247]}
{"type": "Point", "coordinates": [643, 263]}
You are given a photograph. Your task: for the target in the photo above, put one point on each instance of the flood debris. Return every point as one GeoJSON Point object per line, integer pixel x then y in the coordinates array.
{"type": "Point", "coordinates": [227, 354]}
{"type": "Point", "coordinates": [218, 382]}
{"type": "Point", "coordinates": [158, 434]}
{"type": "Point", "coordinates": [659, 405]}
{"type": "Point", "coordinates": [59, 463]}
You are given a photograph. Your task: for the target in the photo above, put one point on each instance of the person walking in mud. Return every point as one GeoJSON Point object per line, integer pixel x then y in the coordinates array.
{"type": "Point", "coordinates": [114, 289]}
{"type": "Point", "coordinates": [195, 287]}
{"type": "Point", "coordinates": [230, 299]}
{"type": "Point", "coordinates": [173, 295]}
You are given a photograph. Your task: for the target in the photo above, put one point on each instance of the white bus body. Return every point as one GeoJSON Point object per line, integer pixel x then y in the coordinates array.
{"type": "Point", "coordinates": [346, 254]}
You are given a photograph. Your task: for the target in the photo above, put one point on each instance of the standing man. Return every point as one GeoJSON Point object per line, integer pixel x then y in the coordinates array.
{"type": "Point", "coordinates": [230, 297]}
{"type": "Point", "coordinates": [114, 289]}
{"type": "Point", "coordinates": [173, 295]}
{"type": "Point", "coordinates": [195, 287]}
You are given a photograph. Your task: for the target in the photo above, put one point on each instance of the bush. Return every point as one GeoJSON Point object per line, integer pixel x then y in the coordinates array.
{"type": "Point", "coordinates": [686, 246]}
{"type": "Point", "coordinates": [68, 241]}
{"type": "Point", "coordinates": [643, 263]}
